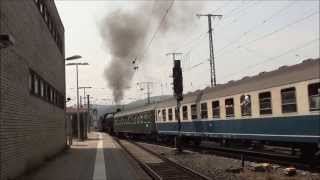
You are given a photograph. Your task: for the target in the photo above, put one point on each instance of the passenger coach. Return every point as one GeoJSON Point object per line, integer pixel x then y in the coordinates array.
{"type": "Point", "coordinates": [280, 107]}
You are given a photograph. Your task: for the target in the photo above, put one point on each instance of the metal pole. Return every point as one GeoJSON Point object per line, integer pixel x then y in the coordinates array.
{"type": "Point", "coordinates": [212, 63]}
{"type": "Point", "coordinates": [179, 139]}
{"type": "Point", "coordinates": [148, 88]}
{"type": "Point", "coordinates": [211, 52]}
{"type": "Point", "coordinates": [89, 117]}
{"type": "Point", "coordinates": [78, 114]}
{"type": "Point", "coordinates": [84, 96]}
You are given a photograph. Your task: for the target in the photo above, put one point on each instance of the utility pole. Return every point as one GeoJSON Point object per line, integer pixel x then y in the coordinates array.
{"type": "Point", "coordinates": [212, 63]}
{"type": "Point", "coordinates": [146, 85]}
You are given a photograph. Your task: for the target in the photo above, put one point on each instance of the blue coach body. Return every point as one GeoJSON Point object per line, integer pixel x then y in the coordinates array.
{"type": "Point", "coordinates": [304, 129]}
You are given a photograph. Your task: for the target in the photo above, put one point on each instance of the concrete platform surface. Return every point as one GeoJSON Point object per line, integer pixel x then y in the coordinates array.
{"type": "Point", "coordinates": [97, 158]}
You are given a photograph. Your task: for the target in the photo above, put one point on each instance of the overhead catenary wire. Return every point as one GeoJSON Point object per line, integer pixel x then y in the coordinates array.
{"type": "Point", "coordinates": [264, 36]}
{"type": "Point", "coordinates": [239, 16]}
{"type": "Point", "coordinates": [264, 21]}
{"type": "Point", "coordinates": [196, 40]}
{"type": "Point", "coordinates": [157, 30]}
{"type": "Point", "coordinates": [260, 54]}
{"type": "Point", "coordinates": [268, 34]}
{"type": "Point", "coordinates": [281, 28]}
{"type": "Point", "coordinates": [304, 45]}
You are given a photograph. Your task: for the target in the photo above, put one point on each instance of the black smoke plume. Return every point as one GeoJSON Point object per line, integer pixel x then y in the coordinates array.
{"type": "Point", "coordinates": [125, 34]}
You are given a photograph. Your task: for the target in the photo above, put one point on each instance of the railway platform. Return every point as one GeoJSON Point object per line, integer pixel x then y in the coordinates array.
{"type": "Point", "coordinates": [98, 158]}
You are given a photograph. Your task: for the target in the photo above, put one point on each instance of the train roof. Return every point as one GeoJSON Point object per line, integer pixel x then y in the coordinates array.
{"type": "Point", "coordinates": [144, 108]}
{"type": "Point", "coordinates": [307, 70]}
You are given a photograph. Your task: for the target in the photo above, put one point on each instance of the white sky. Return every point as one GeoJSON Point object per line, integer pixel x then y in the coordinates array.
{"type": "Point", "coordinates": [278, 33]}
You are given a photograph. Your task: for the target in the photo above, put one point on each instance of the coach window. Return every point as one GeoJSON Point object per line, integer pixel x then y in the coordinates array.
{"type": "Point", "coordinates": [314, 96]}
{"type": "Point", "coordinates": [170, 114]}
{"type": "Point", "coordinates": [194, 111]}
{"type": "Point", "coordinates": [176, 113]}
{"type": "Point", "coordinates": [164, 115]}
{"type": "Point", "coordinates": [229, 107]}
{"type": "Point", "coordinates": [215, 109]}
{"type": "Point", "coordinates": [245, 103]}
{"type": "Point", "coordinates": [265, 103]}
{"type": "Point", "coordinates": [159, 115]}
{"type": "Point", "coordinates": [185, 112]}
{"type": "Point", "coordinates": [204, 110]}
{"type": "Point", "coordinates": [288, 99]}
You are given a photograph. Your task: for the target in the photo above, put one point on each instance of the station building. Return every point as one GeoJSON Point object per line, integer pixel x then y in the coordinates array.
{"type": "Point", "coordinates": [32, 81]}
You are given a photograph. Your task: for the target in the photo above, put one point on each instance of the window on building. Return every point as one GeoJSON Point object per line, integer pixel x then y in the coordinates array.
{"type": "Point", "coordinates": [288, 99]}
{"type": "Point", "coordinates": [36, 84]}
{"type": "Point", "coordinates": [245, 103]}
{"type": "Point", "coordinates": [215, 109]}
{"type": "Point", "coordinates": [204, 110]}
{"type": "Point", "coordinates": [314, 96]}
{"type": "Point", "coordinates": [45, 15]}
{"type": "Point", "coordinates": [170, 114]}
{"type": "Point", "coordinates": [194, 113]}
{"type": "Point", "coordinates": [229, 107]}
{"type": "Point", "coordinates": [51, 95]}
{"type": "Point", "coordinates": [265, 103]}
{"type": "Point", "coordinates": [45, 90]}
{"type": "Point", "coordinates": [41, 88]}
{"type": "Point", "coordinates": [55, 97]}
{"type": "Point", "coordinates": [185, 112]}
{"type": "Point", "coordinates": [31, 81]}
{"type": "Point", "coordinates": [164, 115]}
{"type": "Point", "coordinates": [50, 25]}
{"type": "Point", "coordinates": [48, 92]}
{"type": "Point", "coordinates": [41, 8]}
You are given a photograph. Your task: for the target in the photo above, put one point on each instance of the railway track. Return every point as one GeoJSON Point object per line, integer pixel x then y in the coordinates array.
{"type": "Point", "coordinates": [157, 166]}
{"type": "Point", "coordinates": [256, 156]}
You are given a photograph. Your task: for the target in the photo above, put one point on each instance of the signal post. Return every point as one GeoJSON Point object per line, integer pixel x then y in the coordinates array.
{"type": "Point", "coordinates": [178, 93]}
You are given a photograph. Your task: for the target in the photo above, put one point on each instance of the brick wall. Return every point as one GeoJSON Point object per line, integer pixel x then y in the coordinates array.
{"type": "Point", "coordinates": [31, 129]}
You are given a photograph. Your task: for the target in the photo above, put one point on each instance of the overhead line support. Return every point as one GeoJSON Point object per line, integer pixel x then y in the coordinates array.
{"type": "Point", "coordinates": [212, 63]}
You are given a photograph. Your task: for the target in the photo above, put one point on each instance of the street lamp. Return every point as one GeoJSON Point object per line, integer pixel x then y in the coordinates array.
{"type": "Point", "coordinates": [78, 115]}
{"type": "Point", "coordinates": [74, 57]}
{"type": "Point", "coordinates": [6, 40]}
